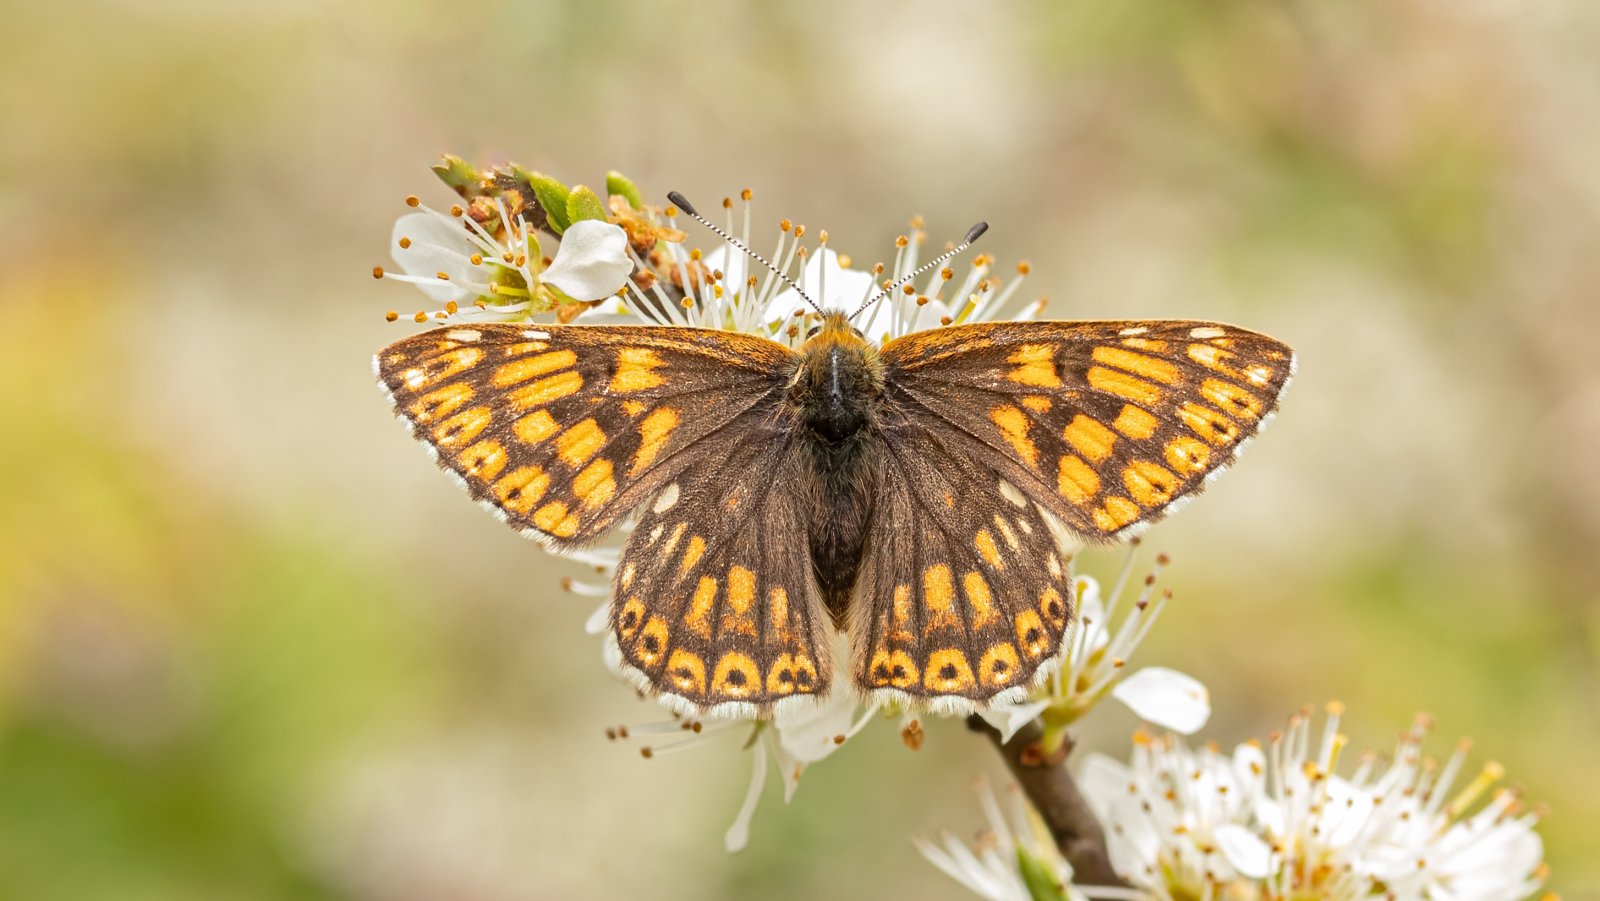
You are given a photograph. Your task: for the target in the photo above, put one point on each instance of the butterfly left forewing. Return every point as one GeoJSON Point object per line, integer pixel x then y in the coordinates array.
{"type": "Point", "coordinates": [1108, 425]}
{"type": "Point", "coordinates": [560, 430]}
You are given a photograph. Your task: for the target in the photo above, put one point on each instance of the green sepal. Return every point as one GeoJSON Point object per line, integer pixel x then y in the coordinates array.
{"type": "Point", "coordinates": [583, 203]}
{"type": "Point", "coordinates": [458, 174]}
{"type": "Point", "coordinates": [1039, 878]}
{"type": "Point", "coordinates": [553, 197]}
{"type": "Point", "coordinates": [618, 184]}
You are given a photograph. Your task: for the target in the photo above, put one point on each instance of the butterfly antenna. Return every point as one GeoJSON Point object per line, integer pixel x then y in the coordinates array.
{"type": "Point", "coordinates": [681, 203]}
{"type": "Point", "coordinates": [973, 234]}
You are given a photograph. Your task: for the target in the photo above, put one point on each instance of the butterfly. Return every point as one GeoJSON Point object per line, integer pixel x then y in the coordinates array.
{"type": "Point", "coordinates": [922, 496]}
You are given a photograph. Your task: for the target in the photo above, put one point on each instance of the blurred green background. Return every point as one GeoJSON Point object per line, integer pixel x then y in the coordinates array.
{"type": "Point", "coordinates": [253, 646]}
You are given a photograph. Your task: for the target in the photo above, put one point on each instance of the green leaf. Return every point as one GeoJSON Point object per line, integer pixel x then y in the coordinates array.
{"type": "Point", "coordinates": [1039, 878]}
{"type": "Point", "coordinates": [583, 203]}
{"type": "Point", "coordinates": [458, 174]}
{"type": "Point", "coordinates": [619, 184]}
{"type": "Point", "coordinates": [553, 197]}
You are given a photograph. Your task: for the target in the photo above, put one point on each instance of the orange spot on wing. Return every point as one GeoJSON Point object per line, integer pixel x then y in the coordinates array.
{"type": "Point", "coordinates": [1089, 437]}
{"type": "Point", "coordinates": [692, 554]}
{"type": "Point", "coordinates": [545, 390]}
{"type": "Point", "coordinates": [892, 669]}
{"type": "Point", "coordinates": [984, 542]}
{"type": "Point", "coordinates": [554, 518]}
{"type": "Point", "coordinates": [1187, 455]}
{"type": "Point", "coordinates": [736, 676]}
{"type": "Point", "coordinates": [521, 488]}
{"type": "Point", "coordinates": [1115, 513]}
{"type": "Point", "coordinates": [1123, 385]}
{"type": "Point", "coordinates": [1152, 368]}
{"type": "Point", "coordinates": [462, 428]}
{"type": "Point", "coordinates": [948, 672]}
{"type": "Point", "coordinates": [1075, 481]}
{"type": "Point", "coordinates": [1209, 424]}
{"type": "Point", "coordinates": [633, 407]}
{"type": "Point", "coordinates": [483, 460]}
{"type": "Point", "coordinates": [698, 619]}
{"type": "Point", "coordinates": [1231, 398]}
{"type": "Point", "coordinates": [1035, 366]}
{"type": "Point", "coordinates": [634, 365]}
{"type": "Point", "coordinates": [1135, 422]}
{"type": "Point", "coordinates": [577, 444]}
{"type": "Point", "coordinates": [687, 672]}
{"type": "Point", "coordinates": [518, 371]}
{"type": "Point", "coordinates": [1013, 425]}
{"type": "Point", "coordinates": [999, 665]}
{"type": "Point", "coordinates": [939, 599]}
{"type": "Point", "coordinates": [980, 598]}
{"type": "Point", "coordinates": [654, 431]}
{"type": "Point", "coordinates": [1031, 636]}
{"type": "Point", "coordinates": [440, 402]}
{"type": "Point", "coordinates": [1038, 403]}
{"type": "Point", "coordinates": [1151, 484]}
{"type": "Point", "coordinates": [535, 427]}
{"type": "Point", "coordinates": [594, 486]}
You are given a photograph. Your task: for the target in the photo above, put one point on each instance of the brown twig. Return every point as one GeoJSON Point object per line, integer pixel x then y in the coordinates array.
{"type": "Point", "coordinates": [1054, 793]}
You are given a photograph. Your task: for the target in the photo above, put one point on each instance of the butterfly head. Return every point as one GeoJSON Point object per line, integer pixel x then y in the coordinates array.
{"type": "Point", "coordinates": [839, 383]}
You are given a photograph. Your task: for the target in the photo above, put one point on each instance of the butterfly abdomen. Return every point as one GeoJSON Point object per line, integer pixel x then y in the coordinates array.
{"type": "Point", "coordinates": [836, 395]}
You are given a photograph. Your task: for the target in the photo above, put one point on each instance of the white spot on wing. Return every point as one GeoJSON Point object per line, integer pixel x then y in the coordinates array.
{"type": "Point", "coordinates": [1136, 330]}
{"type": "Point", "coordinates": [1206, 331]}
{"type": "Point", "coordinates": [665, 500]}
{"type": "Point", "coordinates": [464, 335]}
{"type": "Point", "coordinates": [536, 335]}
{"type": "Point", "coordinates": [1013, 494]}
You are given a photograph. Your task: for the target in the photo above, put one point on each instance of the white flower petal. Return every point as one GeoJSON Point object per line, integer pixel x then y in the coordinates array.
{"type": "Point", "coordinates": [592, 262]}
{"type": "Point", "coordinates": [843, 291]}
{"type": "Point", "coordinates": [1008, 718]}
{"type": "Point", "coordinates": [738, 835]}
{"type": "Point", "coordinates": [1244, 850]}
{"type": "Point", "coordinates": [435, 245]}
{"type": "Point", "coordinates": [1167, 698]}
{"type": "Point", "coordinates": [1103, 781]}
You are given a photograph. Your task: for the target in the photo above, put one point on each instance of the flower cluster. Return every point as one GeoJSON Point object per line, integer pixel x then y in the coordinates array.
{"type": "Point", "coordinates": [1280, 820]}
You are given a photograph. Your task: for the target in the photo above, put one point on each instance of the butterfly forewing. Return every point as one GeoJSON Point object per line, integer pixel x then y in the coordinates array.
{"type": "Point", "coordinates": [561, 430]}
{"type": "Point", "coordinates": [1106, 424]}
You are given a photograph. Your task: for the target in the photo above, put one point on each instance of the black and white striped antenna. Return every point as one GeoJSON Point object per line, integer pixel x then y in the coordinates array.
{"type": "Point", "coordinates": [682, 203]}
{"type": "Point", "coordinates": [973, 234]}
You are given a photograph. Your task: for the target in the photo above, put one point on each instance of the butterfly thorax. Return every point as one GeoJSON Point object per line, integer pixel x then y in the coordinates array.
{"type": "Point", "coordinates": [836, 393]}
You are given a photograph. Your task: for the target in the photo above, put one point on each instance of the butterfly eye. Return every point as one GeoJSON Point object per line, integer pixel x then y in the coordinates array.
{"type": "Point", "coordinates": [812, 332]}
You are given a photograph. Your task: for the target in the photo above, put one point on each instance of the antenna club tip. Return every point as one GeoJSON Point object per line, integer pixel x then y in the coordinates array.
{"type": "Point", "coordinates": [682, 203]}
{"type": "Point", "coordinates": [974, 233]}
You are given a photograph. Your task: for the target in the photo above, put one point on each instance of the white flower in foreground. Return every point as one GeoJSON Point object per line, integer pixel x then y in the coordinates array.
{"type": "Point", "coordinates": [455, 260]}
{"type": "Point", "coordinates": [1014, 859]}
{"type": "Point", "coordinates": [1279, 822]}
{"type": "Point", "coordinates": [1107, 632]}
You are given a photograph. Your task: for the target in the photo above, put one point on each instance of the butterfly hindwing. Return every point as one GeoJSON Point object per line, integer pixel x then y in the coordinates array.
{"type": "Point", "coordinates": [561, 430]}
{"type": "Point", "coordinates": [965, 590]}
{"type": "Point", "coordinates": [714, 601]}
{"type": "Point", "coordinates": [1106, 424]}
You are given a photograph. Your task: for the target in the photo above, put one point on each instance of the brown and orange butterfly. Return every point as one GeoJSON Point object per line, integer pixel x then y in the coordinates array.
{"type": "Point", "coordinates": [924, 495]}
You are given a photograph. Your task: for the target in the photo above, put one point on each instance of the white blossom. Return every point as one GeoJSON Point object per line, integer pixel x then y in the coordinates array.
{"type": "Point", "coordinates": [1014, 859]}
{"type": "Point", "coordinates": [1280, 821]}
{"type": "Point", "coordinates": [477, 273]}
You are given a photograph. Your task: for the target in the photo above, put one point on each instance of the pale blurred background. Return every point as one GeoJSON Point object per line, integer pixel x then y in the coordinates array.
{"type": "Point", "coordinates": [253, 646]}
